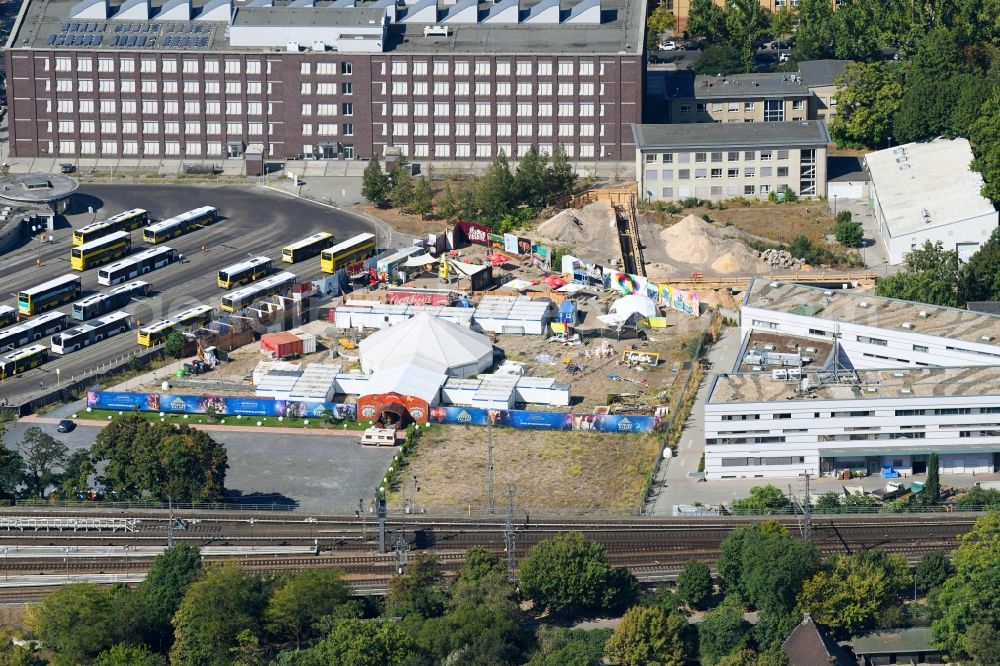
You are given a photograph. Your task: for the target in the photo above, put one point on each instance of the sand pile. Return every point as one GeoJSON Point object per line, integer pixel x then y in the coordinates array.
{"type": "Point", "coordinates": [592, 223]}
{"type": "Point", "coordinates": [698, 243]}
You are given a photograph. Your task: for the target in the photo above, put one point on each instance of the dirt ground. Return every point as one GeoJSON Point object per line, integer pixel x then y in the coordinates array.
{"type": "Point", "coordinates": [779, 222]}
{"type": "Point", "coordinates": [568, 470]}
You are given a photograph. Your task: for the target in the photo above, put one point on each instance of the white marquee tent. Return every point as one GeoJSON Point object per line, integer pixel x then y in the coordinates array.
{"type": "Point", "coordinates": [435, 343]}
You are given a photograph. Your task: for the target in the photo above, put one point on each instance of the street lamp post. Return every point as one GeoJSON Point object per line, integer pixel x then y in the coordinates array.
{"type": "Point", "coordinates": [6, 571]}
{"type": "Point", "coordinates": [125, 550]}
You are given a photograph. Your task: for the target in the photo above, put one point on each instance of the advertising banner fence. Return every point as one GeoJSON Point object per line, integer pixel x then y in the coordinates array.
{"type": "Point", "coordinates": [223, 406]}
{"type": "Point", "coordinates": [523, 419]}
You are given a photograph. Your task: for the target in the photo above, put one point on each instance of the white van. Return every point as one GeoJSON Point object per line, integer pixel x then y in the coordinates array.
{"type": "Point", "coordinates": [379, 437]}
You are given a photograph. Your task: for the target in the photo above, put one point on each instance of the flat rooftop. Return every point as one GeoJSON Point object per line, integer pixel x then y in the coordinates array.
{"type": "Point", "coordinates": [686, 84]}
{"type": "Point", "coordinates": [37, 188]}
{"type": "Point", "coordinates": [733, 388]}
{"type": "Point", "coordinates": [819, 73]}
{"type": "Point", "coordinates": [844, 305]}
{"type": "Point", "coordinates": [692, 136]}
{"type": "Point", "coordinates": [46, 25]}
{"type": "Point", "coordinates": [925, 185]}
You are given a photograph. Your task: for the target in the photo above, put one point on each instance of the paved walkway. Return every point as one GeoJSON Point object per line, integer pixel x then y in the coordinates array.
{"type": "Point", "coordinates": [83, 421]}
{"type": "Point", "coordinates": [676, 472]}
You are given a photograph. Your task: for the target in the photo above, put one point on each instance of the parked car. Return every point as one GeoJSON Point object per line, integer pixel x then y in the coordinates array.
{"type": "Point", "coordinates": [65, 425]}
{"type": "Point", "coordinates": [668, 46]}
{"type": "Point", "coordinates": [67, 167]}
{"type": "Point", "coordinates": [693, 45]}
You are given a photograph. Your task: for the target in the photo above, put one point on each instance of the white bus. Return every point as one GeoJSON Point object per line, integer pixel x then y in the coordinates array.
{"type": "Point", "coordinates": [87, 334]}
{"type": "Point", "coordinates": [31, 330]}
{"type": "Point", "coordinates": [136, 265]}
{"type": "Point", "coordinates": [243, 272]}
{"type": "Point", "coordinates": [239, 299]}
{"type": "Point", "coordinates": [107, 301]}
{"type": "Point", "coordinates": [180, 224]}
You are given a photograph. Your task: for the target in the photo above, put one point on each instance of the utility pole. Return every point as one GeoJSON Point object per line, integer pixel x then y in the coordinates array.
{"type": "Point", "coordinates": [170, 523]}
{"type": "Point", "coordinates": [510, 537]}
{"type": "Point", "coordinates": [489, 467]}
{"type": "Point", "coordinates": [380, 504]}
{"type": "Point", "coordinates": [807, 514]}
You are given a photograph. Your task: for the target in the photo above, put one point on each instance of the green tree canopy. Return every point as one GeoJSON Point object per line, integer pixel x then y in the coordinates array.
{"type": "Point", "coordinates": [81, 620]}
{"type": "Point", "coordinates": [980, 276]}
{"type": "Point", "coordinates": [531, 180]}
{"type": "Point", "coordinates": [985, 137]}
{"type": "Point", "coordinates": [763, 500]}
{"type": "Point", "coordinates": [867, 103]}
{"type": "Point", "coordinates": [848, 233]}
{"type": "Point", "coordinates": [646, 636]}
{"type": "Point", "coordinates": [422, 202]}
{"type": "Point", "coordinates": [375, 184]}
{"type": "Point", "coordinates": [495, 193]}
{"type": "Point", "coordinates": [719, 59]}
{"type": "Point", "coordinates": [215, 609]}
{"type": "Point", "coordinates": [42, 454]}
{"type": "Point", "coordinates": [972, 596]}
{"type": "Point", "coordinates": [694, 584]}
{"type": "Point", "coordinates": [569, 574]}
{"type": "Point", "coordinates": [174, 345]}
{"type": "Point", "coordinates": [932, 571]}
{"type": "Point", "coordinates": [766, 567]}
{"type": "Point", "coordinates": [295, 608]}
{"type": "Point", "coordinates": [854, 590]}
{"type": "Point", "coordinates": [931, 276]}
{"type": "Point", "coordinates": [362, 643]}
{"type": "Point", "coordinates": [124, 654]}
{"type": "Point", "coordinates": [814, 37]}
{"type": "Point", "coordinates": [569, 647]}
{"type": "Point", "coordinates": [160, 594]}
{"type": "Point", "coordinates": [418, 591]}
{"type": "Point", "coordinates": [746, 22]}
{"type": "Point", "coordinates": [723, 632]}
{"type": "Point", "coordinates": [708, 20]}
{"type": "Point", "coordinates": [11, 473]}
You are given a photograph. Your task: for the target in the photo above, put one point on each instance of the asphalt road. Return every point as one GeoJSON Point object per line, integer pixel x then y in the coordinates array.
{"type": "Point", "coordinates": [313, 473]}
{"type": "Point", "coordinates": [256, 222]}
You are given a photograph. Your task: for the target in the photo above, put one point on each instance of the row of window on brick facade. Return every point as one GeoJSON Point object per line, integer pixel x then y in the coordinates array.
{"type": "Point", "coordinates": [126, 64]}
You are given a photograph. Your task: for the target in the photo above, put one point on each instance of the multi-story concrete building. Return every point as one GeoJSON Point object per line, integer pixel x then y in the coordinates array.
{"type": "Point", "coordinates": [808, 94]}
{"type": "Point", "coordinates": [339, 79]}
{"type": "Point", "coordinates": [715, 161]}
{"type": "Point", "coordinates": [873, 331]}
{"type": "Point", "coordinates": [758, 425]}
{"type": "Point", "coordinates": [927, 191]}
{"type": "Point", "coordinates": [682, 8]}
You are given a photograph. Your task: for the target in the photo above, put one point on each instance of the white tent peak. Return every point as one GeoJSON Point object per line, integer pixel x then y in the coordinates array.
{"type": "Point", "coordinates": [434, 343]}
{"type": "Point", "coordinates": [633, 304]}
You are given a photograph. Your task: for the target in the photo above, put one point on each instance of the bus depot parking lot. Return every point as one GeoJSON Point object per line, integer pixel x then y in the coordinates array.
{"type": "Point", "coordinates": [252, 223]}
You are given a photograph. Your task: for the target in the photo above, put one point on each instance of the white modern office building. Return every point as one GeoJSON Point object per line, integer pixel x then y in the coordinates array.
{"type": "Point", "coordinates": [928, 192]}
{"type": "Point", "coordinates": [877, 421]}
{"type": "Point", "coordinates": [872, 331]}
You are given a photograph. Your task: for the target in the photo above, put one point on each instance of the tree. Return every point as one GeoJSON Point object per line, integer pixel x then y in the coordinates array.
{"type": "Point", "coordinates": [649, 636]}
{"type": "Point", "coordinates": [932, 571]}
{"type": "Point", "coordinates": [42, 454]}
{"type": "Point", "coordinates": [81, 620]}
{"type": "Point", "coordinates": [247, 651]}
{"type": "Point", "coordinates": [569, 647]}
{"type": "Point", "coordinates": [746, 22]}
{"type": "Point", "coordinates": [75, 479]}
{"type": "Point", "coordinates": [495, 190]}
{"type": "Point", "coordinates": [719, 59]}
{"type": "Point", "coordinates": [985, 137]}
{"type": "Point", "coordinates": [783, 21]}
{"type": "Point", "coordinates": [867, 102]}
{"type": "Point", "coordinates": [160, 594]}
{"type": "Point", "coordinates": [174, 345]}
{"type": "Point", "coordinates": [447, 205]}
{"type": "Point", "coordinates": [706, 19]}
{"type": "Point", "coordinates": [401, 189]}
{"type": "Point", "coordinates": [366, 643]}
{"type": "Point", "coordinates": [422, 202]}
{"type": "Point", "coordinates": [931, 275]}
{"type": "Point", "coordinates": [813, 39]}
{"type": "Point", "coordinates": [375, 184]}
{"type": "Point", "coordinates": [192, 467]}
{"type": "Point", "coordinates": [569, 574]}
{"type": "Point", "coordinates": [980, 276]}
{"type": "Point", "coordinates": [977, 499]}
{"type": "Point", "coordinates": [854, 590]}
{"type": "Point", "coordinates": [295, 608]}
{"type": "Point", "coordinates": [828, 502]}
{"type": "Point", "coordinates": [215, 609]}
{"type": "Point", "coordinates": [124, 654]}
{"type": "Point", "coordinates": [932, 487]}
{"type": "Point", "coordinates": [848, 233]}
{"type": "Point", "coordinates": [763, 500]}
{"type": "Point", "coordinates": [694, 584]}
{"type": "Point", "coordinates": [418, 592]}
{"type": "Point", "coordinates": [972, 595]}
{"type": "Point", "coordinates": [161, 460]}
{"type": "Point", "coordinates": [11, 472]}
{"type": "Point", "coordinates": [747, 657]}
{"type": "Point", "coordinates": [660, 19]}
{"type": "Point", "coordinates": [723, 632]}
{"type": "Point", "coordinates": [560, 176]}
{"type": "Point", "coordinates": [766, 567]}
{"type": "Point", "coordinates": [980, 643]}
{"type": "Point", "coordinates": [530, 181]}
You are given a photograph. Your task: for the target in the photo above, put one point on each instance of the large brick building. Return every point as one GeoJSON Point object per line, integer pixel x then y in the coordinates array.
{"type": "Point", "coordinates": [320, 79]}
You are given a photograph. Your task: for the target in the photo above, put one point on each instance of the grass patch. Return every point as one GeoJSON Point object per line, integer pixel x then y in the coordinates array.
{"type": "Point", "coordinates": [202, 419]}
{"type": "Point", "coordinates": [550, 470]}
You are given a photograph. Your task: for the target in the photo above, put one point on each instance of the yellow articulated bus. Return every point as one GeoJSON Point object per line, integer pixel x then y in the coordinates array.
{"type": "Point", "coordinates": [243, 272]}
{"type": "Point", "coordinates": [49, 294]}
{"type": "Point", "coordinates": [130, 220]}
{"type": "Point", "coordinates": [100, 251]}
{"type": "Point", "coordinates": [23, 360]}
{"type": "Point", "coordinates": [154, 334]}
{"type": "Point", "coordinates": [351, 251]}
{"type": "Point", "coordinates": [307, 248]}
{"type": "Point", "coordinates": [181, 224]}
{"type": "Point", "coordinates": [269, 286]}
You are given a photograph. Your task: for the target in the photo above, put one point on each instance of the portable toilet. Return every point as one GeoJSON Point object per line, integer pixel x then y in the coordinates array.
{"type": "Point", "coordinates": [567, 312]}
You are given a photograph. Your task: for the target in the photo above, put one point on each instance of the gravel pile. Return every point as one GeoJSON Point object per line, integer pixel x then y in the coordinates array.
{"type": "Point", "coordinates": [781, 259]}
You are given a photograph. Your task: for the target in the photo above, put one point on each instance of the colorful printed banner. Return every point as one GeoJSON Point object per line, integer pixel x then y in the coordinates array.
{"type": "Point", "coordinates": [223, 406]}
{"type": "Point", "coordinates": [683, 300]}
{"type": "Point", "coordinates": [523, 419]}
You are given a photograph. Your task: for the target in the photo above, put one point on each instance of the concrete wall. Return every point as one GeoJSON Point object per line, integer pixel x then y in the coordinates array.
{"type": "Point", "coordinates": [975, 230]}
